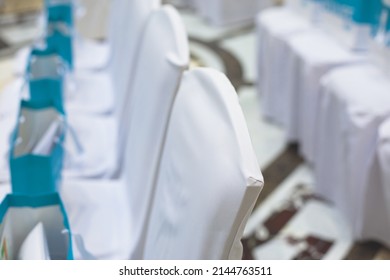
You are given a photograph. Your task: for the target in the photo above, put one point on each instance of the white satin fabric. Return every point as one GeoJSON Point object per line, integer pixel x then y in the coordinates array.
{"type": "Point", "coordinates": [111, 216]}
{"type": "Point", "coordinates": [209, 178]}
{"type": "Point", "coordinates": [355, 101]}
{"type": "Point", "coordinates": [274, 26]}
{"type": "Point", "coordinates": [154, 89]}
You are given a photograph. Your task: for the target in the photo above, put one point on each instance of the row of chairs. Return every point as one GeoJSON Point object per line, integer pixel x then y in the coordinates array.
{"type": "Point", "coordinates": [164, 167]}
{"type": "Point", "coordinates": [333, 99]}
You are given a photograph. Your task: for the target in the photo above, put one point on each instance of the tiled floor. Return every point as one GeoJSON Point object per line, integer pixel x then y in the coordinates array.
{"type": "Point", "coordinates": [290, 221]}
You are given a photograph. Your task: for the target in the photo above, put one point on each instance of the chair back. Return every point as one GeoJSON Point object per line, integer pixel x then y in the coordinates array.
{"type": "Point", "coordinates": [209, 178]}
{"type": "Point", "coordinates": [163, 56]}
{"type": "Point", "coordinates": [129, 19]}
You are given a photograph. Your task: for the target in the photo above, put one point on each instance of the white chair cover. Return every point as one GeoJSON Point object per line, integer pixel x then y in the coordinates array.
{"type": "Point", "coordinates": [310, 56]}
{"type": "Point", "coordinates": [355, 101]}
{"type": "Point", "coordinates": [273, 27]}
{"type": "Point", "coordinates": [124, 57]}
{"type": "Point", "coordinates": [154, 88]}
{"type": "Point", "coordinates": [126, 28]}
{"type": "Point", "coordinates": [209, 177]}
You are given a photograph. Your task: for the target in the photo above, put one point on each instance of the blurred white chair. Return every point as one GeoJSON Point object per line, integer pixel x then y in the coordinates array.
{"type": "Point", "coordinates": [126, 22]}
{"type": "Point", "coordinates": [375, 221]}
{"type": "Point", "coordinates": [310, 56]}
{"type": "Point", "coordinates": [123, 67]}
{"type": "Point", "coordinates": [355, 101]}
{"type": "Point", "coordinates": [273, 27]}
{"type": "Point", "coordinates": [111, 215]}
{"type": "Point", "coordinates": [103, 91]}
{"type": "Point", "coordinates": [209, 178]}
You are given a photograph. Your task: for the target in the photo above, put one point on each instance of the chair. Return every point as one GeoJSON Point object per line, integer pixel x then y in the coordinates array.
{"type": "Point", "coordinates": [128, 20]}
{"type": "Point", "coordinates": [98, 159]}
{"type": "Point", "coordinates": [355, 101]}
{"type": "Point", "coordinates": [154, 87]}
{"type": "Point", "coordinates": [124, 59]}
{"type": "Point", "coordinates": [209, 178]}
{"type": "Point", "coordinates": [90, 202]}
{"type": "Point", "coordinates": [273, 28]}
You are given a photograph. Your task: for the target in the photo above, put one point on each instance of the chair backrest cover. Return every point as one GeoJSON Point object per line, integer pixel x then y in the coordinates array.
{"type": "Point", "coordinates": [209, 178]}
{"type": "Point", "coordinates": [164, 55]}
{"type": "Point", "coordinates": [126, 36]}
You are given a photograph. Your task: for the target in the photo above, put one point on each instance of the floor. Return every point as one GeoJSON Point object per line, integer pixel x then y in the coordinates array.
{"type": "Point", "coordinates": [290, 221]}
